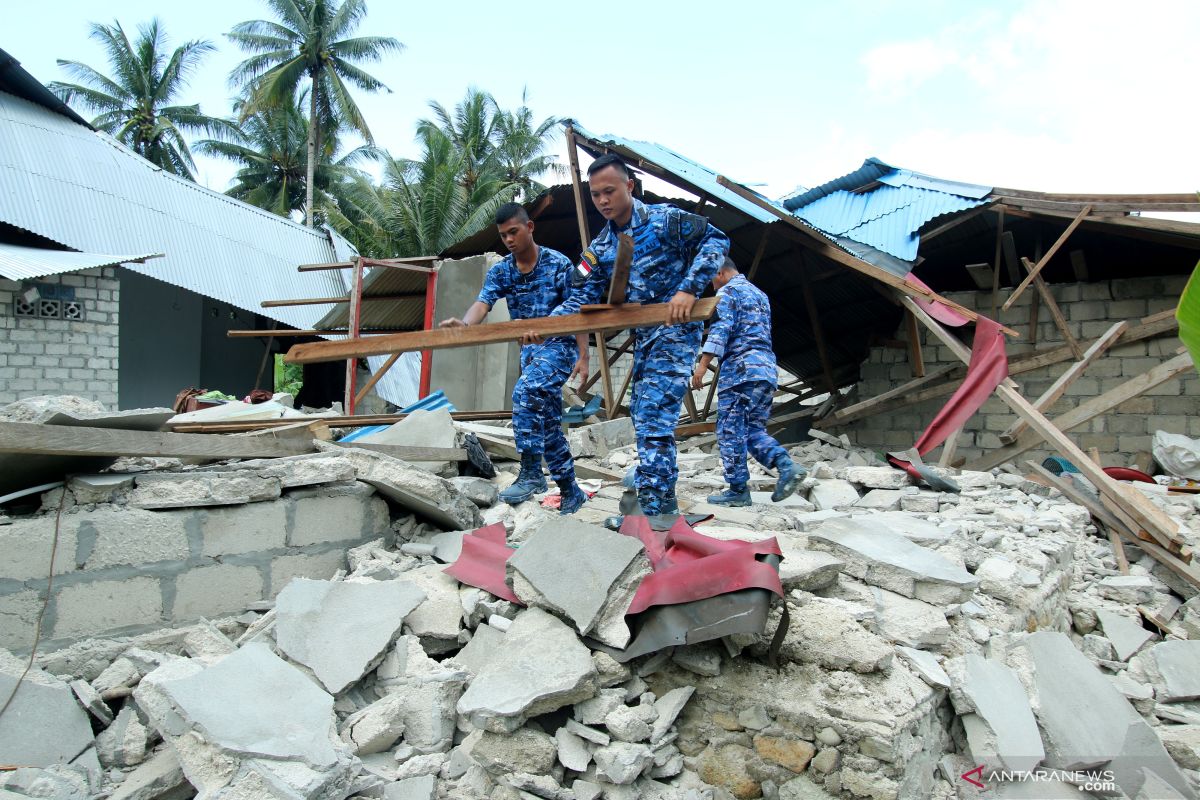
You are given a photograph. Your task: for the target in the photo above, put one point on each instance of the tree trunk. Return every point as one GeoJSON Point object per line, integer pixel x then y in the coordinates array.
{"type": "Point", "coordinates": [310, 173]}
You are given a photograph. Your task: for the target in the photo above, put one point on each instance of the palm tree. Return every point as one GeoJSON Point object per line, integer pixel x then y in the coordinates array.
{"type": "Point", "coordinates": [306, 44]}
{"type": "Point", "coordinates": [471, 130]}
{"type": "Point", "coordinates": [272, 157]}
{"type": "Point", "coordinates": [133, 105]}
{"type": "Point", "coordinates": [521, 148]}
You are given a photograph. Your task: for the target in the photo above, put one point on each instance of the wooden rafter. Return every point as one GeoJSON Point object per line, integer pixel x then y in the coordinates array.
{"type": "Point", "coordinates": [1036, 270]}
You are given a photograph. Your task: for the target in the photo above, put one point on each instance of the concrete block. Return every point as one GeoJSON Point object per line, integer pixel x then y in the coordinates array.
{"type": "Point", "coordinates": [822, 633]}
{"type": "Point", "coordinates": [250, 528]}
{"type": "Point", "coordinates": [879, 500]}
{"type": "Point", "coordinates": [182, 490]}
{"type": "Point", "coordinates": [43, 725]}
{"type": "Point", "coordinates": [1001, 730]}
{"type": "Point", "coordinates": [422, 428]}
{"type": "Point", "coordinates": [909, 622]}
{"type": "Point", "coordinates": [99, 488]}
{"type": "Point", "coordinates": [18, 616]}
{"type": "Point", "coordinates": [438, 618]}
{"type": "Point", "coordinates": [925, 665]}
{"type": "Point", "coordinates": [878, 477]}
{"type": "Point", "coordinates": [215, 590]}
{"type": "Point", "coordinates": [1174, 667]}
{"type": "Point", "coordinates": [833, 494]}
{"type": "Point", "coordinates": [296, 471]}
{"type": "Point", "coordinates": [346, 513]}
{"type": "Point", "coordinates": [26, 545]}
{"type": "Point", "coordinates": [91, 609]}
{"type": "Point", "coordinates": [319, 566]}
{"type": "Point", "coordinates": [132, 536]}
{"type": "Point", "coordinates": [1127, 636]}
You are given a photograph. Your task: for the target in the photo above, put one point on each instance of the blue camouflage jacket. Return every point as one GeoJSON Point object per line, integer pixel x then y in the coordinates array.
{"type": "Point", "coordinates": [545, 291]}
{"type": "Point", "coordinates": [741, 335]}
{"type": "Point", "coordinates": [674, 251]}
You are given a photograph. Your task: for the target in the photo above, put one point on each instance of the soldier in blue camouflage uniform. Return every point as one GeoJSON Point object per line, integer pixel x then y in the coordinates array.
{"type": "Point", "coordinates": [675, 255]}
{"type": "Point", "coordinates": [537, 282]}
{"type": "Point", "coordinates": [741, 338]}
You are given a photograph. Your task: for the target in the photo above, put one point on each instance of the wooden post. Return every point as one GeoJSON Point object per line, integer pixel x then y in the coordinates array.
{"type": "Point", "coordinates": [427, 355]}
{"type": "Point", "coordinates": [602, 351]}
{"type": "Point", "coordinates": [814, 320]}
{"type": "Point", "coordinates": [915, 360]}
{"type": "Point", "coordinates": [758, 254]}
{"type": "Point", "coordinates": [996, 268]}
{"type": "Point", "coordinates": [950, 448]}
{"type": "Point", "coordinates": [1055, 312]}
{"type": "Point", "coordinates": [379, 373]}
{"type": "Point", "coordinates": [585, 237]}
{"type": "Point", "coordinates": [1036, 270]}
{"type": "Point", "coordinates": [355, 322]}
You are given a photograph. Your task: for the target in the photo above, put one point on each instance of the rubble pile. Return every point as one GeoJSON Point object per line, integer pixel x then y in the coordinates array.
{"type": "Point", "coordinates": [927, 634]}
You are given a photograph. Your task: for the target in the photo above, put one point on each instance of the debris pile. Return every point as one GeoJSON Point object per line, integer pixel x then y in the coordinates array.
{"type": "Point", "coordinates": [931, 643]}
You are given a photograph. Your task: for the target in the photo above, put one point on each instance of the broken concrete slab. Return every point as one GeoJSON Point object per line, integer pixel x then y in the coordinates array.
{"type": "Point", "coordinates": [595, 710]}
{"type": "Point", "coordinates": [793, 502]}
{"type": "Point", "coordinates": [631, 723]}
{"type": "Point", "coordinates": [125, 742]}
{"type": "Point", "coordinates": [892, 562]}
{"type": "Point", "coordinates": [309, 469]}
{"type": "Point", "coordinates": [525, 750]}
{"type": "Point", "coordinates": [421, 428]}
{"type": "Point", "coordinates": [429, 691]}
{"type": "Point", "coordinates": [574, 588]}
{"type": "Point", "coordinates": [43, 725]}
{"type": "Point", "coordinates": [573, 751]}
{"type": "Point", "coordinates": [479, 652]}
{"type": "Point", "coordinates": [250, 725]}
{"type": "Point", "coordinates": [1183, 743]}
{"type": "Point", "coordinates": [809, 570]}
{"type": "Point", "coordinates": [411, 487]}
{"type": "Point", "coordinates": [341, 629]}
{"type": "Point", "coordinates": [812, 520]}
{"type": "Point", "coordinates": [669, 707]}
{"type": "Point", "coordinates": [926, 666]}
{"type": "Point", "coordinates": [597, 439]}
{"type": "Point", "coordinates": [877, 477]}
{"type": "Point", "coordinates": [540, 666]}
{"type": "Point", "coordinates": [912, 528]}
{"type": "Point", "coordinates": [479, 491]}
{"type": "Point", "coordinates": [833, 494]}
{"type": "Point", "coordinates": [1131, 589]}
{"type": "Point", "coordinates": [161, 490]}
{"type": "Point", "coordinates": [1174, 667]}
{"type": "Point", "coordinates": [92, 701]}
{"type": "Point", "coordinates": [420, 787]}
{"type": "Point", "coordinates": [1127, 635]}
{"type": "Point", "coordinates": [1001, 730]}
{"type": "Point", "coordinates": [375, 728]}
{"type": "Point", "coordinates": [1103, 731]}
{"type": "Point", "coordinates": [102, 488]}
{"type": "Point", "coordinates": [822, 633]}
{"type": "Point", "coordinates": [159, 776]}
{"type": "Point", "coordinates": [622, 762]}
{"type": "Point", "coordinates": [1000, 577]}
{"type": "Point", "coordinates": [879, 500]}
{"type": "Point", "coordinates": [905, 621]}
{"type": "Point", "coordinates": [438, 618]}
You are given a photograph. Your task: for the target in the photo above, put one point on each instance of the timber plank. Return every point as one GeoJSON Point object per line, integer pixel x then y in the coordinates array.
{"type": "Point", "coordinates": [61, 440]}
{"type": "Point", "coordinates": [613, 319]}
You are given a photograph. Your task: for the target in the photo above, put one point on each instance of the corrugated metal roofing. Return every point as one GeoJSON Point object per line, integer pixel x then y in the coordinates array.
{"type": "Point", "coordinates": [696, 174]}
{"type": "Point", "coordinates": [87, 192]}
{"type": "Point", "coordinates": [20, 263]}
{"type": "Point", "coordinates": [405, 314]}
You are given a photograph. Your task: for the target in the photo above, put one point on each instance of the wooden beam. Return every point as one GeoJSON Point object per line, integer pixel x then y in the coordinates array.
{"type": "Point", "coordinates": [359, 421]}
{"type": "Point", "coordinates": [1164, 231]}
{"type": "Point", "coordinates": [354, 322]}
{"type": "Point", "coordinates": [1035, 307]}
{"type": "Point", "coordinates": [602, 351]}
{"type": "Point", "coordinates": [1137, 505]}
{"type": "Point", "coordinates": [915, 360]}
{"type": "Point", "coordinates": [954, 223]}
{"type": "Point", "coordinates": [810, 240]}
{"type": "Point", "coordinates": [379, 373]}
{"type": "Point", "coordinates": [868, 407]}
{"type": "Point", "coordinates": [814, 320]}
{"type": "Point", "coordinates": [612, 359]}
{"type": "Point", "coordinates": [1037, 268]}
{"type": "Point", "coordinates": [414, 263]}
{"type": "Point", "coordinates": [585, 238]}
{"type": "Point", "coordinates": [758, 254]}
{"type": "Point", "coordinates": [1069, 376]}
{"type": "Point", "coordinates": [1103, 202]}
{"type": "Point", "coordinates": [620, 276]}
{"type": "Point", "coordinates": [1088, 410]}
{"type": "Point", "coordinates": [64, 440]}
{"type": "Point", "coordinates": [712, 390]}
{"type": "Point", "coordinates": [299, 334]}
{"type": "Point", "coordinates": [950, 448]}
{"type": "Point", "coordinates": [315, 301]}
{"type": "Point", "coordinates": [613, 319]}
{"type": "Point", "coordinates": [1055, 312]}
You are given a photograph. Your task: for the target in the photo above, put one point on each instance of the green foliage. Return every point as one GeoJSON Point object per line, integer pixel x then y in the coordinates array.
{"type": "Point", "coordinates": [288, 377]}
{"type": "Point", "coordinates": [1188, 315]}
{"type": "Point", "coordinates": [135, 104]}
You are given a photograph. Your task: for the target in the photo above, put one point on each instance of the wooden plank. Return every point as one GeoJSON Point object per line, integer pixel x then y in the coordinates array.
{"type": "Point", "coordinates": [620, 277]}
{"type": "Point", "coordinates": [614, 319]}
{"type": "Point", "coordinates": [602, 351]}
{"type": "Point", "coordinates": [1069, 376]}
{"type": "Point", "coordinates": [1160, 316]}
{"type": "Point", "coordinates": [814, 320]}
{"type": "Point", "coordinates": [1103, 202]}
{"type": "Point", "coordinates": [758, 254]}
{"type": "Point", "coordinates": [950, 448]}
{"type": "Point", "coordinates": [379, 373]}
{"type": "Point", "coordinates": [1055, 312]}
{"type": "Point", "coordinates": [915, 360]}
{"type": "Point", "coordinates": [62, 440]}
{"type": "Point", "coordinates": [694, 429]}
{"type": "Point", "coordinates": [585, 238]}
{"type": "Point", "coordinates": [981, 274]}
{"type": "Point", "coordinates": [284, 333]}
{"type": "Point", "coordinates": [1035, 305]}
{"type": "Point", "coordinates": [411, 453]}
{"type": "Point", "coordinates": [354, 323]}
{"type": "Point", "coordinates": [315, 301]}
{"type": "Point", "coordinates": [1079, 266]}
{"type": "Point", "coordinates": [689, 402]}
{"type": "Point", "coordinates": [712, 390]}
{"type": "Point", "coordinates": [867, 407]}
{"type": "Point", "coordinates": [1137, 505]}
{"type": "Point", "coordinates": [1037, 268]}
{"type": "Point", "coordinates": [809, 239]}
{"type": "Point", "coordinates": [360, 421]}
{"type": "Point", "coordinates": [1088, 410]}
{"type": "Point", "coordinates": [1163, 231]}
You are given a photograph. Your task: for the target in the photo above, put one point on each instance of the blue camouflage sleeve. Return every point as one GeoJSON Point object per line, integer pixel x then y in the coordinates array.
{"type": "Point", "coordinates": [574, 295]}
{"type": "Point", "coordinates": [493, 286]}
{"type": "Point", "coordinates": [720, 331]}
{"type": "Point", "coordinates": [697, 235]}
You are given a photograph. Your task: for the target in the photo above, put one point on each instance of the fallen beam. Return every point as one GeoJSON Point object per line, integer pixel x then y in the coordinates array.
{"type": "Point", "coordinates": [61, 440]}
{"type": "Point", "coordinates": [331, 421]}
{"type": "Point", "coordinates": [612, 319]}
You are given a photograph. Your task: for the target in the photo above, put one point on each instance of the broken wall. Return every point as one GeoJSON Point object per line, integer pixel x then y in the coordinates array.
{"type": "Point", "coordinates": [123, 569]}
{"type": "Point", "coordinates": [56, 355]}
{"type": "Point", "coordinates": [1090, 310]}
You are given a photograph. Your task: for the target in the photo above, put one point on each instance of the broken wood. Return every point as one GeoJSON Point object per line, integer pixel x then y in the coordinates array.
{"type": "Point", "coordinates": [1088, 410]}
{"type": "Point", "coordinates": [620, 276]}
{"type": "Point", "coordinates": [379, 373]}
{"type": "Point", "coordinates": [615, 319]}
{"type": "Point", "coordinates": [63, 440]}
{"type": "Point", "coordinates": [915, 360]}
{"type": "Point", "coordinates": [585, 237]}
{"type": "Point", "coordinates": [1069, 376]}
{"type": "Point", "coordinates": [330, 421]}
{"type": "Point", "coordinates": [868, 407]}
{"type": "Point", "coordinates": [602, 350]}
{"type": "Point", "coordinates": [1056, 314]}
{"type": "Point", "coordinates": [1037, 269]}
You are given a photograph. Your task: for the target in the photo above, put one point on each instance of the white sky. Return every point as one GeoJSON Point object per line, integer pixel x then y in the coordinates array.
{"type": "Point", "coordinates": [1049, 95]}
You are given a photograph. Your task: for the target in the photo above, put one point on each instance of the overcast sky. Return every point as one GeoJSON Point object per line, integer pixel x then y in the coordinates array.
{"type": "Point", "coordinates": [1049, 95]}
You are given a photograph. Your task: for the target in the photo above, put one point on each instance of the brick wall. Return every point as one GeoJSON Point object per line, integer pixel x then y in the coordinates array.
{"type": "Point", "coordinates": [1090, 310]}
{"type": "Point", "coordinates": [61, 356]}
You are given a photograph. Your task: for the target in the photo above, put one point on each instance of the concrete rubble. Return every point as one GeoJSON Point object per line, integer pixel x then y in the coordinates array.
{"type": "Point", "coordinates": [927, 634]}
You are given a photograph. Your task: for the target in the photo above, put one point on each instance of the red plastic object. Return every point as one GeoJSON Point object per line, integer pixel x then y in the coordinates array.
{"type": "Point", "coordinates": [943, 314]}
{"type": "Point", "coordinates": [481, 562]}
{"type": "Point", "coordinates": [1128, 474]}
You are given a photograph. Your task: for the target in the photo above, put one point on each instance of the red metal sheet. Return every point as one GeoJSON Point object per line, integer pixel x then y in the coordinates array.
{"type": "Point", "coordinates": [481, 563]}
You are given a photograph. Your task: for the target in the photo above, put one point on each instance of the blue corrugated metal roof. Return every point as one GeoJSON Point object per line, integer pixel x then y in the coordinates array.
{"type": "Point", "coordinates": [887, 216]}
{"type": "Point", "coordinates": [86, 191]}
{"type": "Point", "coordinates": [682, 167]}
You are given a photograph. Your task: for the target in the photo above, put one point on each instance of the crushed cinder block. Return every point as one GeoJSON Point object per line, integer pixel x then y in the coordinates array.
{"type": "Point", "coordinates": [833, 494]}
{"type": "Point", "coordinates": [906, 621]}
{"type": "Point", "coordinates": [340, 629]}
{"type": "Point", "coordinates": [1174, 667]}
{"type": "Point", "coordinates": [877, 477]}
{"type": "Point", "coordinates": [309, 469]}
{"type": "Point", "coordinates": [879, 500]}
{"type": "Point", "coordinates": [1127, 636]}
{"type": "Point", "coordinates": [250, 725]}
{"type": "Point", "coordinates": [925, 665]}
{"type": "Point", "coordinates": [669, 707]}
{"type": "Point", "coordinates": [892, 562]}
{"type": "Point", "coordinates": [1001, 731]}
{"type": "Point", "coordinates": [631, 723]}
{"type": "Point", "coordinates": [159, 776]}
{"type": "Point", "coordinates": [572, 750]}
{"type": "Point", "coordinates": [102, 488]}
{"type": "Point", "coordinates": [577, 587]}
{"type": "Point", "coordinates": [1085, 721]}
{"type": "Point", "coordinates": [822, 633]}
{"type": "Point", "coordinates": [1130, 589]}
{"type": "Point", "coordinates": [427, 693]}
{"type": "Point", "coordinates": [438, 618]}
{"type": "Point", "coordinates": [479, 491]}
{"type": "Point", "coordinates": [539, 667]}
{"type": "Point", "coordinates": [622, 762]}
{"type": "Point", "coordinates": [1000, 577]}
{"type": "Point", "coordinates": [43, 725]}
{"type": "Point", "coordinates": [186, 489]}
{"type": "Point", "coordinates": [375, 728]}
{"type": "Point", "coordinates": [525, 750]}
{"type": "Point", "coordinates": [411, 487]}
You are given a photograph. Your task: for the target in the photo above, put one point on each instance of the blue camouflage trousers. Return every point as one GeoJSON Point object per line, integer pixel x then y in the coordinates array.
{"type": "Point", "coordinates": [662, 366]}
{"type": "Point", "coordinates": [742, 412]}
{"type": "Point", "coordinates": [537, 404]}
